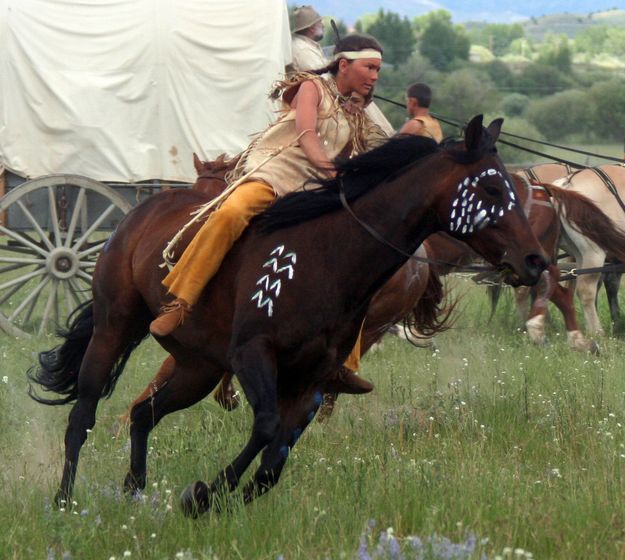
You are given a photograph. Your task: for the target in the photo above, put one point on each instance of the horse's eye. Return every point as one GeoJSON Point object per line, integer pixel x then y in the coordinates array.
{"type": "Point", "coordinates": [492, 190]}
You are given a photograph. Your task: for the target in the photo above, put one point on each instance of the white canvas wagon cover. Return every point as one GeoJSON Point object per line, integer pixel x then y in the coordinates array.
{"type": "Point", "coordinates": [126, 90]}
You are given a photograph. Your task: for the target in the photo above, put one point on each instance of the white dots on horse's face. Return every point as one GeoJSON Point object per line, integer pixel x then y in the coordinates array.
{"type": "Point", "coordinates": [480, 201]}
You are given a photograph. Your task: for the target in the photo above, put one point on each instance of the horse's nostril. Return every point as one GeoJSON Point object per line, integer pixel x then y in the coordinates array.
{"type": "Point", "coordinates": [536, 262]}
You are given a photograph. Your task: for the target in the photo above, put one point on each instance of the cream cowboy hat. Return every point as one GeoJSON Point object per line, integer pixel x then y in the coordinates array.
{"type": "Point", "coordinates": [304, 17]}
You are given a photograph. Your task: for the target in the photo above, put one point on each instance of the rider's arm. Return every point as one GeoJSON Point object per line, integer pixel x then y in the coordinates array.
{"type": "Point", "coordinates": [306, 103]}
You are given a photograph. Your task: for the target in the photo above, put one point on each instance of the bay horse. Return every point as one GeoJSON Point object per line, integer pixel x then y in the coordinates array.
{"type": "Point", "coordinates": [414, 293]}
{"type": "Point", "coordinates": [287, 304]}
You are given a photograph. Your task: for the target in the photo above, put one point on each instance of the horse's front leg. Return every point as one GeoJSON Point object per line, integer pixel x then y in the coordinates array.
{"type": "Point", "coordinates": [255, 366]}
{"type": "Point", "coordinates": [295, 413]}
{"type": "Point", "coordinates": [535, 324]}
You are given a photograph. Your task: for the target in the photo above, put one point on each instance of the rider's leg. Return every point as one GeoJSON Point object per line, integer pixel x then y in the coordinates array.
{"type": "Point", "coordinates": [204, 255]}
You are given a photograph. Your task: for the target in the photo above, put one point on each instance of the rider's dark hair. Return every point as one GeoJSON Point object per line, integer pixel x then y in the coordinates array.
{"type": "Point", "coordinates": [352, 42]}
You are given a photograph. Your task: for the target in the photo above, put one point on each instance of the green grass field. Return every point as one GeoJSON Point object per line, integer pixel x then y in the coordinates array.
{"type": "Point", "coordinates": [504, 449]}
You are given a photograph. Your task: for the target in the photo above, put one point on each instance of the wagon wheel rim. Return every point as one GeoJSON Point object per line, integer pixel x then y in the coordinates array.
{"type": "Point", "coordinates": [55, 228]}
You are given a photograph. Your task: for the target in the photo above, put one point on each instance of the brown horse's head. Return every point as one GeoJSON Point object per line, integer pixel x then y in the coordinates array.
{"type": "Point", "coordinates": [211, 174]}
{"type": "Point", "coordinates": [485, 211]}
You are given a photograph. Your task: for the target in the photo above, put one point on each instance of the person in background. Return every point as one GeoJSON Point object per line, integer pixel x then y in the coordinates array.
{"type": "Point", "coordinates": [421, 123]}
{"type": "Point", "coordinates": [306, 51]}
{"type": "Point", "coordinates": [308, 55]}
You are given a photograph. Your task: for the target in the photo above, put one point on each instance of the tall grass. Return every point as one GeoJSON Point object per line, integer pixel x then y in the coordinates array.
{"type": "Point", "coordinates": [522, 447]}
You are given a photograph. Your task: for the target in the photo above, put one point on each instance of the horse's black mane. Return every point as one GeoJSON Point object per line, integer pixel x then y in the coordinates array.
{"type": "Point", "coordinates": [358, 176]}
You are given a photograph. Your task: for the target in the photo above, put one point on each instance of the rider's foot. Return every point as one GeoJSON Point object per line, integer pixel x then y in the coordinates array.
{"type": "Point", "coordinates": [171, 316]}
{"type": "Point", "coordinates": [348, 381]}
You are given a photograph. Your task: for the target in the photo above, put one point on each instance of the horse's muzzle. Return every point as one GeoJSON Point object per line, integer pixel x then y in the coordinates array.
{"type": "Point", "coordinates": [527, 272]}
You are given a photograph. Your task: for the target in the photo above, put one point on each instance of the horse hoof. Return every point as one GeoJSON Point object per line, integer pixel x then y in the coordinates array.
{"type": "Point", "coordinates": [194, 499]}
{"type": "Point", "coordinates": [132, 486]}
{"type": "Point", "coordinates": [61, 499]}
{"type": "Point", "coordinates": [228, 402]}
{"type": "Point", "coordinates": [327, 407]}
{"type": "Point", "coordinates": [594, 348]}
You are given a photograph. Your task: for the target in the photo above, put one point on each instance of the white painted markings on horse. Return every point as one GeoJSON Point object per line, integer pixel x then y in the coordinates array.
{"type": "Point", "coordinates": [467, 216]}
{"type": "Point", "coordinates": [270, 284]}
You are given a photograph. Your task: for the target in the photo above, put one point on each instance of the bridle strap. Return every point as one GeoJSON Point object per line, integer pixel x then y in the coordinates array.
{"type": "Point", "coordinates": [209, 175]}
{"type": "Point", "coordinates": [386, 242]}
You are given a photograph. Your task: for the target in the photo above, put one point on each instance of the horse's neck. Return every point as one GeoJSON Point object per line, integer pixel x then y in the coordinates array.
{"type": "Point", "coordinates": [396, 217]}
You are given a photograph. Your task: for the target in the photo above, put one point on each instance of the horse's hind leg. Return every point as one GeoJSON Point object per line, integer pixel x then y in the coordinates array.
{"type": "Point", "coordinates": [563, 298]}
{"type": "Point", "coordinates": [185, 385]}
{"type": "Point", "coordinates": [295, 414]}
{"type": "Point", "coordinates": [225, 394]}
{"type": "Point", "coordinates": [255, 367]}
{"type": "Point", "coordinates": [106, 347]}
{"type": "Point", "coordinates": [612, 283]}
{"type": "Point", "coordinates": [162, 376]}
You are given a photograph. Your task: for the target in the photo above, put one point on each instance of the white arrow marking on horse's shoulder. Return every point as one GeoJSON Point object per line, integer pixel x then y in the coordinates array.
{"type": "Point", "coordinates": [266, 302]}
{"type": "Point", "coordinates": [279, 249]}
{"type": "Point", "coordinates": [276, 287]}
{"type": "Point", "coordinates": [288, 268]}
{"type": "Point", "coordinates": [272, 263]}
{"type": "Point", "coordinates": [265, 280]}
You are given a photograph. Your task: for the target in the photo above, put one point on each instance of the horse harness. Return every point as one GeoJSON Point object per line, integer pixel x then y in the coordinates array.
{"type": "Point", "coordinates": [605, 179]}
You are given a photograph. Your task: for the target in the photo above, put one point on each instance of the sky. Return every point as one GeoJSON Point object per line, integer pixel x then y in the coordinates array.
{"type": "Point", "coordinates": [501, 11]}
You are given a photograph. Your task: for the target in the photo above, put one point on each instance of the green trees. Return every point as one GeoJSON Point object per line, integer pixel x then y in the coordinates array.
{"type": "Point", "coordinates": [557, 53]}
{"type": "Point", "coordinates": [498, 36]}
{"type": "Point", "coordinates": [560, 114]}
{"type": "Point", "coordinates": [441, 41]}
{"type": "Point", "coordinates": [608, 102]}
{"type": "Point", "coordinates": [394, 33]}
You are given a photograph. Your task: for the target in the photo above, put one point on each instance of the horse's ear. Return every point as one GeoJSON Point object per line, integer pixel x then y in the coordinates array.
{"type": "Point", "coordinates": [197, 163]}
{"type": "Point", "coordinates": [494, 129]}
{"type": "Point", "coordinates": [473, 133]}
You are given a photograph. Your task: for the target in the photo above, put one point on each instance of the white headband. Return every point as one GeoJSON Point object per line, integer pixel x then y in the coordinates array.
{"type": "Point", "coordinates": [354, 55]}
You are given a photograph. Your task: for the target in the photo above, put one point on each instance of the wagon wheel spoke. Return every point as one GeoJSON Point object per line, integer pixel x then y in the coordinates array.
{"type": "Point", "coordinates": [93, 227]}
{"type": "Point", "coordinates": [80, 201]}
{"type": "Point", "coordinates": [94, 249]}
{"type": "Point", "coordinates": [85, 276]}
{"type": "Point", "coordinates": [35, 224]}
{"type": "Point", "coordinates": [67, 290]}
{"type": "Point", "coordinates": [12, 267]}
{"type": "Point", "coordinates": [23, 240]}
{"type": "Point", "coordinates": [54, 216]}
{"type": "Point", "coordinates": [22, 260]}
{"type": "Point", "coordinates": [30, 299]}
{"type": "Point", "coordinates": [19, 249]}
{"type": "Point", "coordinates": [22, 279]}
{"type": "Point", "coordinates": [6, 297]}
{"type": "Point", "coordinates": [48, 309]}
{"type": "Point", "coordinates": [31, 308]}
{"type": "Point", "coordinates": [76, 293]}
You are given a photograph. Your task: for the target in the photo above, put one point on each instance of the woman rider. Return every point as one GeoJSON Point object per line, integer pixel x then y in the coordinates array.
{"type": "Point", "coordinates": [319, 123]}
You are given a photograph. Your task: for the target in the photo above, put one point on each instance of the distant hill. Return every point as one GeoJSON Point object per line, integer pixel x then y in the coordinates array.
{"type": "Point", "coordinates": [503, 11]}
{"type": "Point", "coordinates": [571, 24]}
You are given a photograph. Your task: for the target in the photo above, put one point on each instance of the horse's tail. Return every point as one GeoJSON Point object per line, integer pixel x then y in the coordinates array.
{"type": "Point", "coordinates": [494, 293]}
{"type": "Point", "coordinates": [59, 367]}
{"type": "Point", "coordinates": [431, 314]}
{"type": "Point", "coordinates": [588, 219]}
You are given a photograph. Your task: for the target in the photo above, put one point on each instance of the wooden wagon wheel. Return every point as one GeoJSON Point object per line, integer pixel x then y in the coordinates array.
{"type": "Point", "coordinates": [53, 229]}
